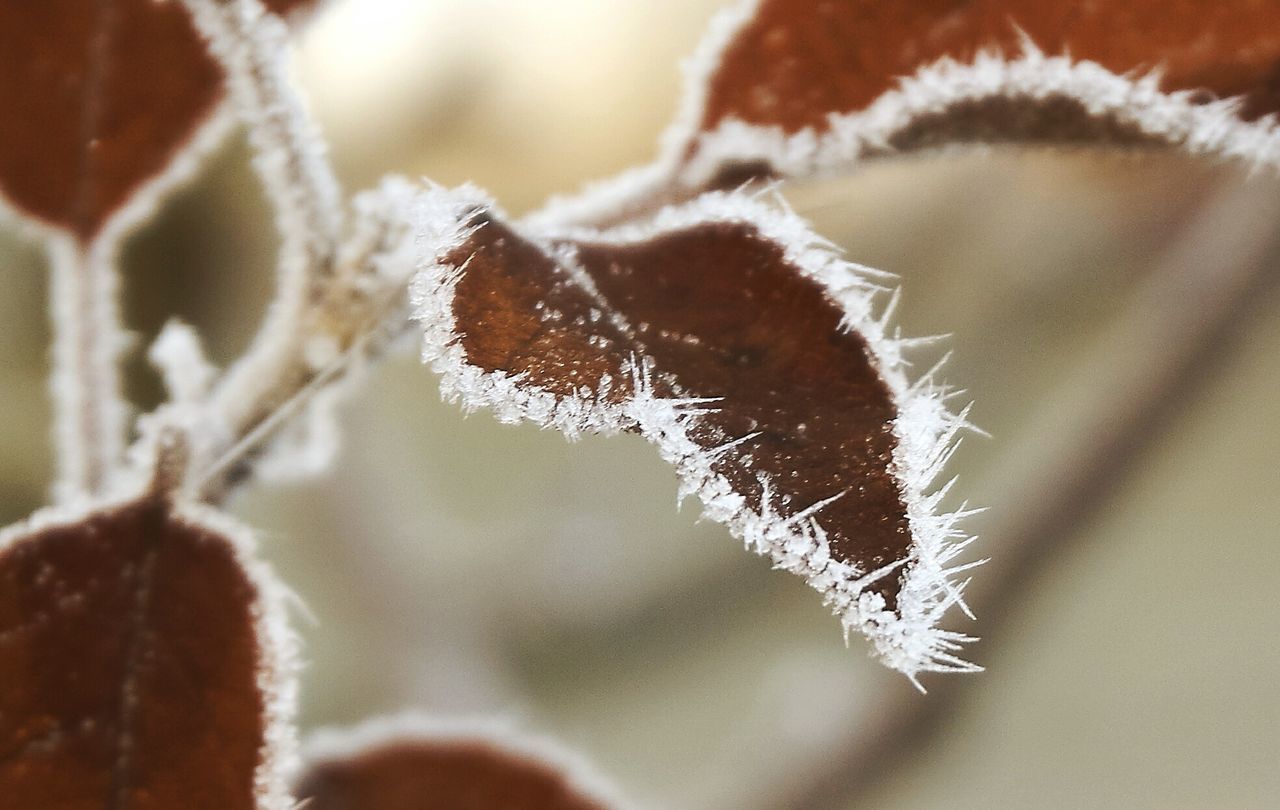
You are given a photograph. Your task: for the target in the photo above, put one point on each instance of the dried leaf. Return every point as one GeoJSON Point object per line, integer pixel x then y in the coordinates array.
{"type": "Point", "coordinates": [143, 664]}
{"type": "Point", "coordinates": [410, 763]}
{"type": "Point", "coordinates": [729, 335]}
{"type": "Point", "coordinates": [99, 99]}
{"type": "Point", "coordinates": [793, 88]}
{"type": "Point", "coordinates": [795, 62]}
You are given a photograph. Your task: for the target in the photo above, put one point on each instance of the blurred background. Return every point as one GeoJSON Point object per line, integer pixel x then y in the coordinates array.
{"type": "Point", "coordinates": [1116, 320]}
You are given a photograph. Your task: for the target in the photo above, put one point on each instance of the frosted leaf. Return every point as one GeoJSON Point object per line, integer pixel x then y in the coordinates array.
{"type": "Point", "coordinates": [140, 644]}
{"type": "Point", "coordinates": [98, 121]}
{"type": "Point", "coordinates": [743, 346]}
{"type": "Point", "coordinates": [429, 764]}
{"type": "Point", "coordinates": [796, 88]}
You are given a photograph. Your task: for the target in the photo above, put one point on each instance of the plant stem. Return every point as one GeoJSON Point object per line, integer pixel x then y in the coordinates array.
{"type": "Point", "coordinates": [89, 410]}
{"type": "Point", "coordinates": [321, 309]}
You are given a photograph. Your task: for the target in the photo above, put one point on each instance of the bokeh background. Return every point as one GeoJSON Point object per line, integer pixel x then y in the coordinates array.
{"type": "Point", "coordinates": [1115, 318]}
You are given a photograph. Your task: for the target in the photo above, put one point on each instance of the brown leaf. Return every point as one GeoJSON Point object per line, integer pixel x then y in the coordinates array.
{"type": "Point", "coordinates": [796, 88]}
{"type": "Point", "coordinates": [804, 70]}
{"type": "Point", "coordinates": [141, 665]}
{"type": "Point", "coordinates": [412, 765]}
{"type": "Point", "coordinates": [99, 96]}
{"type": "Point", "coordinates": [727, 334]}
{"type": "Point", "coordinates": [798, 61]}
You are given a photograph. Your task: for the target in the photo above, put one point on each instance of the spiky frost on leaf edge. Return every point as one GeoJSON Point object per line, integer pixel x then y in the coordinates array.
{"type": "Point", "coordinates": [502, 733]}
{"type": "Point", "coordinates": [909, 641]}
{"type": "Point", "coordinates": [1211, 129]}
{"type": "Point", "coordinates": [278, 646]}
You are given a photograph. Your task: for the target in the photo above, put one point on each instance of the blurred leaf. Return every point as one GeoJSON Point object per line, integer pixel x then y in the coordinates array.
{"type": "Point", "coordinates": [137, 665]}
{"type": "Point", "coordinates": [99, 99]}
{"type": "Point", "coordinates": [408, 765]}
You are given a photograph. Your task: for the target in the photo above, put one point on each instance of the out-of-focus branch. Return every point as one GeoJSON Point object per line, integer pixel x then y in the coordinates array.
{"type": "Point", "coordinates": [1177, 331]}
{"type": "Point", "coordinates": [330, 298]}
{"type": "Point", "coordinates": [89, 408]}
{"type": "Point", "coordinates": [360, 309]}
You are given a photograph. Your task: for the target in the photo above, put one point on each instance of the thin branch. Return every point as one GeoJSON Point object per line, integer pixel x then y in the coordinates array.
{"type": "Point", "coordinates": [360, 310]}
{"type": "Point", "coordinates": [381, 327]}
{"type": "Point", "coordinates": [89, 409]}
{"type": "Point", "coordinates": [290, 157]}
{"type": "Point", "coordinates": [290, 160]}
{"type": "Point", "coordinates": [330, 296]}
{"type": "Point", "coordinates": [1178, 329]}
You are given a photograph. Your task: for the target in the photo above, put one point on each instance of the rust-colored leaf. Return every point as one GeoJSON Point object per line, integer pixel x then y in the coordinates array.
{"type": "Point", "coordinates": [99, 96]}
{"type": "Point", "coordinates": [789, 87]}
{"type": "Point", "coordinates": [426, 769]}
{"type": "Point", "coordinates": [727, 335]}
{"type": "Point", "coordinates": [796, 62]}
{"type": "Point", "coordinates": [797, 88]}
{"type": "Point", "coordinates": [139, 666]}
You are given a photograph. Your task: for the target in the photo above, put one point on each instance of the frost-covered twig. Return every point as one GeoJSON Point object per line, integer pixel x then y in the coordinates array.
{"type": "Point", "coordinates": [332, 296]}
{"type": "Point", "coordinates": [360, 309]}
{"type": "Point", "coordinates": [89, 409]}
{"type": "Point", "coordinates": [290, 156]}
{"type": "Point", "coordinates": [291, 162]}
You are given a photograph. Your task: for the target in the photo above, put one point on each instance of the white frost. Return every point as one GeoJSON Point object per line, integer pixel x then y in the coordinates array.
{"type": "Point", "coordinates": [177, 353]}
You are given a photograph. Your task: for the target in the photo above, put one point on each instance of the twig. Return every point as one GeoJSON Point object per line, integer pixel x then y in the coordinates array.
{"type": "Point", "coordinates": [252, 46]}
{"type": "Point", "coordinates": [290, 160]}
{"type": "Point", "coordinates": [329, 296]}
{"type": "Point", "coordinates": [89, 409]}
{"type": "Point", "coordinates": [381, 327]}
{"type": "Point", "coordinates": [1179, 324]}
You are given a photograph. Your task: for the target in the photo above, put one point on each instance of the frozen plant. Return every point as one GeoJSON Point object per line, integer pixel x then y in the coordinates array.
{"type": "Point", "coordinates": [145, 655]}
